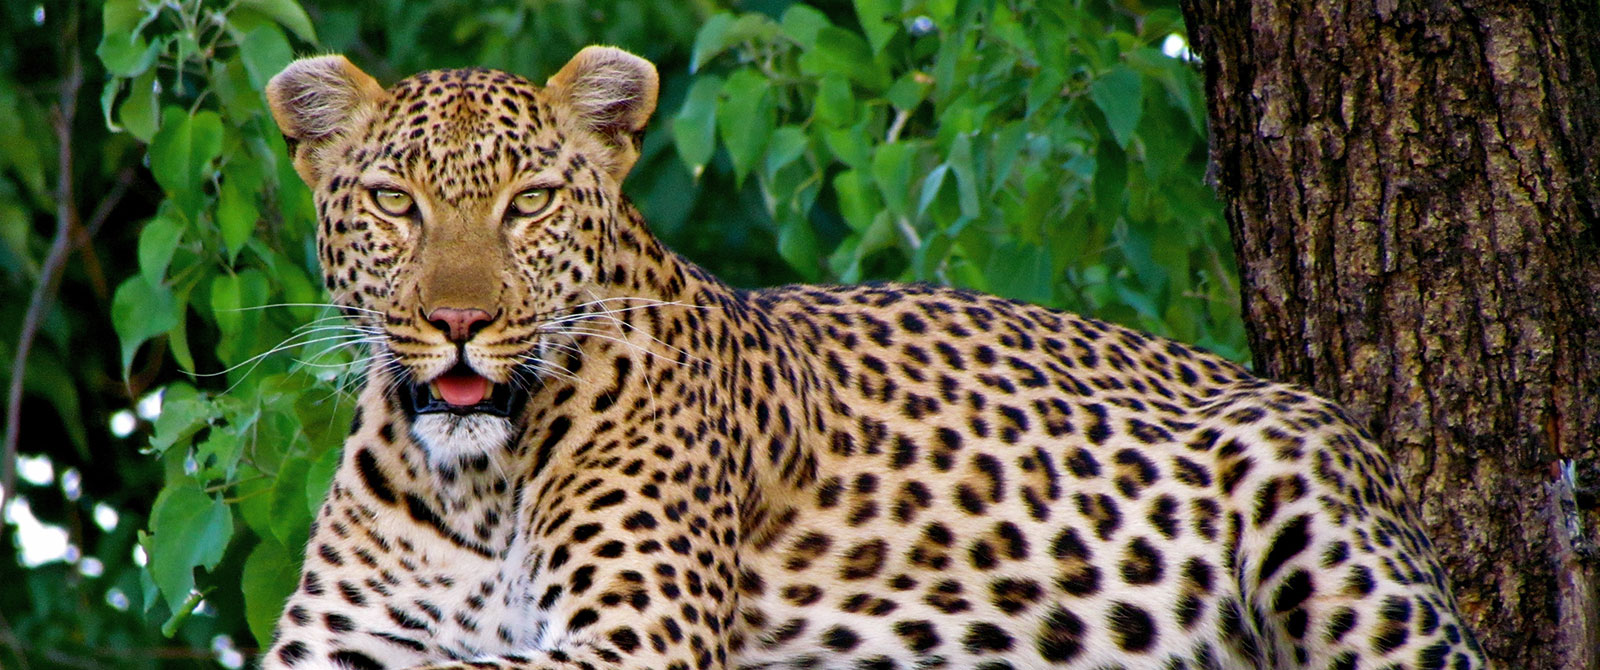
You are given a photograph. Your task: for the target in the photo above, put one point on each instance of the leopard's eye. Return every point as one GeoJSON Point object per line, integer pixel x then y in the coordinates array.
{"type": "Point", "coordinates": [532, 201]}
{"type": "Point", "coordinates": [392, 201]}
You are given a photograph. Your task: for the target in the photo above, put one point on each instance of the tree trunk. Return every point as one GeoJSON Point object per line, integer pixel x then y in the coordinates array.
{"type": "Point", "coordinates": [1412, 189]}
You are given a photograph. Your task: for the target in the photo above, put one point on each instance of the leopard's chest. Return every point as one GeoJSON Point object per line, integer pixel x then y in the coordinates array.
{"type": "Point", "coordinates": [465, 602]}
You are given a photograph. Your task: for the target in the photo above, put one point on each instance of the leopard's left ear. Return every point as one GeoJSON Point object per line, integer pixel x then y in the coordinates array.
{"type": "Point", "coordinates": [317, 100]}
{"type": "Point", "coordinates": [613, 94]}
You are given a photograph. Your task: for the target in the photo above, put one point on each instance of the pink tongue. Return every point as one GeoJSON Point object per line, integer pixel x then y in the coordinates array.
{"type": "Point", "coordinates": [462, 389]}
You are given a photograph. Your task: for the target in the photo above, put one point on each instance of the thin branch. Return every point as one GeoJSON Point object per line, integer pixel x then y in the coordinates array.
{"type": "Point", "coordinates": [83, 233]}
{"type": "Point", "coordinates": [108, 204]}
{"type": "Point", "coordinates": [50, 275]}
{"type": "Point", "coordinates": [899, 124]}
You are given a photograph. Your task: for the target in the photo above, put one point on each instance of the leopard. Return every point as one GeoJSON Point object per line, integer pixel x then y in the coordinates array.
{"type": "Point", "coordinates": [575, 449]}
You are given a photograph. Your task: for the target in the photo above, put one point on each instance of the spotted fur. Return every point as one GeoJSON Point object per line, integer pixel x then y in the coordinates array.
{"type": "Point", "coordinates": [883, 477]}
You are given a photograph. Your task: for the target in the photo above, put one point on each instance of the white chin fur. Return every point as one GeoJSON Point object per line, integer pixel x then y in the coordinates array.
{"type": "Point", "coordinates": [449, 438]}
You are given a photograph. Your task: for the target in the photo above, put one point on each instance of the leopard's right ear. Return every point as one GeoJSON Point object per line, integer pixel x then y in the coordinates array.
{"type": "Point", "coordinates": [315, 100]}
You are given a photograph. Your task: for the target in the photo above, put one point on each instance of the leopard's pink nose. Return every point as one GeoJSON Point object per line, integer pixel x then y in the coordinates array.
{"type": "Point", "coordinates": [459, 324]}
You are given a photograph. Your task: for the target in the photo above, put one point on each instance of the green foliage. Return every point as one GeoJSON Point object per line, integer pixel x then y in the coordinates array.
{"type": "Point", "coordinates": [1047, 153]}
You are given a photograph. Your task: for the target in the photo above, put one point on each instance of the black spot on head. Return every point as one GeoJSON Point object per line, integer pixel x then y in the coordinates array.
{"type": "Point", "coordinates": [291, 654]}
{"type": "Point", "coordinates": [1341, 623]}
{"type": "Point", "coordinates": [625, 640]}
{"type": "Point", "coordinates": [354, 660]}
{"type": "Point", "coordinates": [1294, 591]}
{"type": "Point", "coordinates": [839, 638]}
{"type": "Point", "coordinates": [1082, 464]}
{"type": "Point", "coordinates": [339, 623]}
{"type": "Point", "coordinates": [1359, 582]}
{"type": "Point", "coordinates": [876, 663]}
{"type": "Point", "coordinates": [1291, 539]}
{"type": "Point", "coordinates": [984, 638]}
{"type": "Point", "coordinates": [919, 636]}
{"type": "Point", "coordinates": [1131, 627]}
{"type": "Point", "coordinates": [583, 619]}
{"type": "Point", "coordinates": [1141, 563]}
{"type": "Point", "coordinates": [1060, 637]}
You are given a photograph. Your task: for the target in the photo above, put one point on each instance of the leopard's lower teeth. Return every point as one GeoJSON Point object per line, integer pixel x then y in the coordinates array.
{"type": "Point", "coordinates": [489, 393]}
{"type": "Point", "coordinates": [433, 390]}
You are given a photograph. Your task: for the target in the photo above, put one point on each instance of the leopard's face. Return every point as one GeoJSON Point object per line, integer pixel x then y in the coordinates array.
{"type": "Point", "coordinates": [465, 217]}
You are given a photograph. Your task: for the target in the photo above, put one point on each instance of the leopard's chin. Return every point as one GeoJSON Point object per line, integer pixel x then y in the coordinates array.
{"type": "Point", "coordinates": [450, 438]}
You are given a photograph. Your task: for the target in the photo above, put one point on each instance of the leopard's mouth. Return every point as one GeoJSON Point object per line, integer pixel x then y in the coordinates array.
{"type": "Point", "coordinates": [462, 391]}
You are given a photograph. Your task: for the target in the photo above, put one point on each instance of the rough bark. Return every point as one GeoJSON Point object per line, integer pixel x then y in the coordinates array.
{"type": "Point", "coordinates": [1412, 189]}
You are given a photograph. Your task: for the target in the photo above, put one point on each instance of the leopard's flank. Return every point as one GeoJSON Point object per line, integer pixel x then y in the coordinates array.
{"type": "Point", "coordinates": [574, 449]}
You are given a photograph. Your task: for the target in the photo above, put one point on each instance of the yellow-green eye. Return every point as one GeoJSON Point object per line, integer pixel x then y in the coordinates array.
{"type": "Point", "coordinates": [392, 201]}
{"type": "Point", "coordinates": [530, 202]}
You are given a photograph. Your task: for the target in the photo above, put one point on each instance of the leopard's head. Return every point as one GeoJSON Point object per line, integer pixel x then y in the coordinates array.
{"type": "Point", "coordinates": [461, 212]}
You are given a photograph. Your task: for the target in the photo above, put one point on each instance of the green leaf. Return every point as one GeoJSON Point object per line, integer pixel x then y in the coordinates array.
{"type": "Point", "coordinates": [744, 117]}
{"type": "Point", "coordinates": [140, 112]}
{"type": "Point", "coordinates": [319, 477]}
{"type": "Point", "coordinates": [858, 200]}
{"type": "Point", "coordinates": [108, 103]}
{"type": "Point", "coordinates": [218, 454]}
{"type": "Point", "coordinates": [289, 517]}
{"type": "Point", "coordinates": [907, 91]}
{"type": "Point", "coordinates": [1022, 271]}
{"type": "Point", "coordinates": [891, 168]}
{"type": "Point", "coordinates": [801, 23]}
{"type": "Point", "coordinates": [1120, 95]}
{"type": "Point", "coordinates": [877, 19]}
{"type": "Point", "coordinates": [1110, 182]}
{"type": "Point", "coordinates": [181, 154]}
{"type": "Point", "coordinates": [786, 144]}
{"type": "Point", "coordinates": [178, 335]}
{"type": "Point", "coordinates": [140, 310]}
{"type": "Point", "coordinates": [225, 303]}
{"type": "Point", "coordinates": [708, 43]}
{"type": "Point", "coordinates": [265, 52]}
{"type": "Point", "coordinates": [189, 529]}
{"type": "Point", "coordinates": [287, 13]}
{"type": "Point", "coordinates": [157, 241]}
{"type": "Point", "coordinates": [1007, 150]}
{"type": "Point", "coordinates": [841, 52]}
{"type": "Point", "coordinates": [930, 187]}
{"type": "Point", "coordinates": [835, 105]}
{"type": "Point", "coordinates": [122, 49]}
{"type": "Point", "coordinates": [694, 131]}
{"type": "Point", "coordinates": [234, 299]}
{"type": "Point", "coordinates": [180, 419]}
{"type": "Point", "coordinates": [850, 145]}
{"type": "Point", "coordinates": [270, 575]}
{"type": "Point", "coordinates": [236, 205]}
{"type": "Point", "coordinates": [797, 243]}
{"type": "Point", "coordinates": [960, 163]}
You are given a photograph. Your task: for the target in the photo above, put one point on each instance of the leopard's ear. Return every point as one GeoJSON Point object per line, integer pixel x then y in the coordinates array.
{"type": "Point", "coordinates": [315, 100]}
{"type": "Point", "coordinates": [612, 93]}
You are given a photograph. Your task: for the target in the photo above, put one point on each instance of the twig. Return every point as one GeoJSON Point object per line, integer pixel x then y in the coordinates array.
{"type": "Point", "coordinates": [83, 233]}
{"type": "Point", "coordinates": [108, 204]}
{"type": "Point", "coordinates": [899, 124]}
{"type": "Point", "coordinates": [50, 275]}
